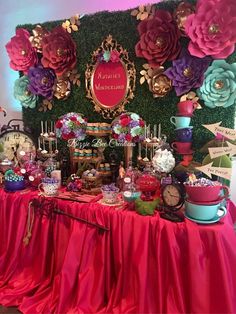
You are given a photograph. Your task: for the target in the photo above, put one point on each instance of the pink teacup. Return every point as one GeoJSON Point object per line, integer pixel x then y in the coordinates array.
{"type": "Point", "coordinates": [207, 193]}
{"type": "Point", "coordinates": [185, 108]}
{"type": "Point", "coordinates": [183, 148]}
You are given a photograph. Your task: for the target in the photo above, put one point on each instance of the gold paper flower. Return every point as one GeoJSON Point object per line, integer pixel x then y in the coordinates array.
{"type": "Point", "coordinates": [159, 84]}
{"type": "Point", "coordinates": [63, 89]}
{"type": "Point", "coordinates": [143, 12]}
{"type": "Point", "coordinates": [181, 13]}
{"type": "Point", "coordinates": [36, 39]}
{"type": "Point", "coordinates": [72, 24]}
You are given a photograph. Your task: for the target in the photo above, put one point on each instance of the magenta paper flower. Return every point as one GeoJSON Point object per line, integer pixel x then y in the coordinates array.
{"type": "Point", "coordinates": [212, 29]}
{"type": "Point", "coordinates": [22, 55]}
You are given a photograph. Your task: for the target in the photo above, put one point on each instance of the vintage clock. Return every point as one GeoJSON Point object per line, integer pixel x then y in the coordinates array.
{"type": "Point", "coordinates": [15, 143]}
{"type": "Point", "coordinates": [173, 196]}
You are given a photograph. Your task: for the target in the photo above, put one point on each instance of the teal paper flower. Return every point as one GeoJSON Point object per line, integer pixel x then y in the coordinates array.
{"type": "Point", "coordinates": [106, 55]}
{"type": "Point", "coordinates": [135, 116]}
{"type": "Point", "coordinates": [219, 85]}
{"type": "Point", "coordinates": [22, 93]}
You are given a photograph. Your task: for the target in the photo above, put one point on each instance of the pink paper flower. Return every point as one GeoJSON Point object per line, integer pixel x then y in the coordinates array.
{"type": "Point", "coordinates": [22, 55]}
{"type": "Point", "coordinates": [212, 29]}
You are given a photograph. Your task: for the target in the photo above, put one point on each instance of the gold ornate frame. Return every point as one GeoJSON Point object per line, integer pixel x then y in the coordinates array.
{"type": "Point", "coordinates": [110, 112]}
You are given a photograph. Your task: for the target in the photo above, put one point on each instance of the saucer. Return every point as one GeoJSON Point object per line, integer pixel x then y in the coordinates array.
{"type": "Point", "coordinates": [190, 152]}
{"type": "Point", "coordinates": [184, 115]}
{"type": "Point", "coordinates": [118, 203]}
{"type": "Point", "coordinates": [204, 222]}
{"type": "Point", "coordinates": [219, 200]}
{"type": "Point", "coordinates": [185, 127]}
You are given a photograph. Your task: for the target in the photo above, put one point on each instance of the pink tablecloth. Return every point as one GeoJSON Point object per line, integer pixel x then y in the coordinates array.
{"type": "Point", "coordinates": [142, 265]}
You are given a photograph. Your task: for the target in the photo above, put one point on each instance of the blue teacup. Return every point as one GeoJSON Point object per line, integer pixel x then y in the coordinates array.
{"type": "Point", "coordinates": [184, 134]}
{"type": "Point", "coordinates": [180, 122]}
{"type": "Point", "coordinates": [204, 212]}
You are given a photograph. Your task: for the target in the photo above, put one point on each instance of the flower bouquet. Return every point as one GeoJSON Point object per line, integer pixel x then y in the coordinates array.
{"type": "Point", "coordinates": [71, 125]}
{"type": "Point", "coordinates": [126, 129]}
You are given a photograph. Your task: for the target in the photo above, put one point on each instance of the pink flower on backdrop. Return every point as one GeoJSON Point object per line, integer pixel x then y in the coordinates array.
{"type": "Point", "coordinates": [59, 51]}
{"type": "Point", "coordinates": [22, 55]}
{"type": "Point", "coordinates": [212, 29]}
{"type": "Point", "coordinates": [159, 39]}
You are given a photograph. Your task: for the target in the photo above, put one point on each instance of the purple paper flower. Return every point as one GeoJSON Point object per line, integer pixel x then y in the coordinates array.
{"type": "Point", "coordinates": [187, 72]}
{"type": "Point", "coordinates": [41, 81]}
{"type": "Point", "coordinates": [121, 138]}
{"type": "Point", "coordinates": [134, 123]}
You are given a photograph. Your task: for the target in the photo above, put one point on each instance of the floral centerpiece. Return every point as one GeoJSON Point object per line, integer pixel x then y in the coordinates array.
{"type": "Point", "coordinates": [128, 127]}
{"type": "Point", "coordinates": [71, 125]}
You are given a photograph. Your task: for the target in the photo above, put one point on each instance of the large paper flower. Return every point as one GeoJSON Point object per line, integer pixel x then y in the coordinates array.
{"type": "Point", "coordinates": [187, 72]}
{"type": "Point", "coordinates": [159, 39]}
{"type": "Point", "coordinates": [22, 55]}
{"type": "Point", "coordinates": [22, 93]}
{"type": "Point", "coordinates": [42, 81]}
{"type": "Point", "coordinates": [212, 29]}
{"type": "Point", "coordinates": [59, 51]}
{"type": "Point", "coordinates": [219, 86]}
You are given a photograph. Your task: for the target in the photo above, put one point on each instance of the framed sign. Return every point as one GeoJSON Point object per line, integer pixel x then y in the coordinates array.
{"type": "Point", "coordinates": [110, 78]}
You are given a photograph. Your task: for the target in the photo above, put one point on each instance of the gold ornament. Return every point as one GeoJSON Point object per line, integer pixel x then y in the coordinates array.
{"type": "Point", "coordinates": [213, 28]}
{"type": "Point", "coordinates": [187, 72]}
{"type": "Point", "coordinates": [181, 13]}
{"type": "Point", "coordinates": [219, 84]}
{"type": "Point", "coordinates": [44, 80]}
{"type": "Point", "coordinates": [23, 52]}
{"type": "Point", "coordinates": [159, 84]}
{"type": "Point", "coordinates": [160, 42]}
{"type": "Point", "coordinates": [36, 39]}
{"type": "Point", "coordinates": [62, 89]}
{"type": "Point", "coordinates": [60, 52]}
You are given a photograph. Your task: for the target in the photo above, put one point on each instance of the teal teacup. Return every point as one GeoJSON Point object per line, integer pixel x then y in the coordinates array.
{"type": "Point", "coordinates": [204, 212]}
{"type": "Point", "coordinates": [180, 122]}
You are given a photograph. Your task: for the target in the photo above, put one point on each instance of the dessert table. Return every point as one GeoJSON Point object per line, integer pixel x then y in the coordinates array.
{"type": "Point", "coordinates": [141, 264]}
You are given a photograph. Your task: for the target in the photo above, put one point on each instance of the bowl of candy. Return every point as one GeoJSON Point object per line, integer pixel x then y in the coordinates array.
{"type": "Point", "coordinates": [203, 190]}
{"type": "Point", "coordinates": [110, 193]}
{"type": "Point", "coordinates": [13, 181]}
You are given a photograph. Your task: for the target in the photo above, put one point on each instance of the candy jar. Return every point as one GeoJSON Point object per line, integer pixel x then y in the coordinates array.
{"type": "Point", "coordinates": [49, 165]}
{"type": "Point", "coordinates": [148, 184]}
{"type": "Point", "coordinates": [36, 175]}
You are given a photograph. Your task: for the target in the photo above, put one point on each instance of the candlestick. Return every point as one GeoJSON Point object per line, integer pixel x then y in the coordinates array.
{"type": "Point", "coordinates": [43, 144]}
{"type": "Point", "coordinates": [145, 131]}
{"type": "Point", "coordinates": [41, 127]}
{"type": "Point", "coordinates": [50, 146]}
{"type": "Point", "coordinates": [46, 126]}
{"type": "Point", "coordinates": [56, 143]}
{"type": "Point", "coordinates": [159, 130]}
{"type": "Point", "coordinates": [51, 127]}
{"type": "Point", "coordinates": [139, 149]}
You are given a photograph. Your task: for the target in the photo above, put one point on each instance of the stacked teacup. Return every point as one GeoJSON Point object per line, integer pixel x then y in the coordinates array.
{"type": "Point", "coordinates": [204, 203]}
{"type": "Point", "coordinates": [183, 143]}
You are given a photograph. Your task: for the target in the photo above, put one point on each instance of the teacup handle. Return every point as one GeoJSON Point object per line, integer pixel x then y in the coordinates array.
{"type": "Point", "coordinates": [224, 210]}
{"type": "Point", "coordinates": [226, 191]}
{"type": "Point", "coordinates": [172, 120]}
{"type": "Point", "coordinates": [40, 187]}
{"type": "Point", "coordinates": [173, 145]}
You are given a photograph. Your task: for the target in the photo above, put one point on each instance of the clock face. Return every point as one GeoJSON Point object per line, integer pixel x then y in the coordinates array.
{"type": "Point", "coordinates": [16, 144]}
{"type": "Point", "coordinates": [171, 195]}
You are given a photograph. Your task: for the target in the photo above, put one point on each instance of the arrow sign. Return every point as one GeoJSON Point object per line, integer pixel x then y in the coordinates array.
{"type": "Point", "coordinates": [220, 151]}
{"type": "Point", "coordinates": [218, 171]}
{"type": "Point", "coordinates": [216, 128]}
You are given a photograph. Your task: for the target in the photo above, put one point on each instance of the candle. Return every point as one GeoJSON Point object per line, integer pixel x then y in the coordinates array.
{"type": "Point", "coordinates": [43, 144]}
{"type": "Point", "coordinates": [145, 131]}
{"type": "Point", "coordinates": [159, 130]}
{"type": "Point", "coordinates": [46, 126]}
{"type": "Point", "coordinates": [41, 127]}
{"type": "Point", "coordinates": [155, 130]}
{"type": "Point", "coordinates": [39, 143]}
{"type": "Point", "coordinates": [51, 126]}
{"type": "Point", "coordinates": [56, 143]}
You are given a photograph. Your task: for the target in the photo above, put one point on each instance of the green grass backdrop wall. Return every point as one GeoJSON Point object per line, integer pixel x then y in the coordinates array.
{"type": "Point", "coordinates": [123, 27]}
